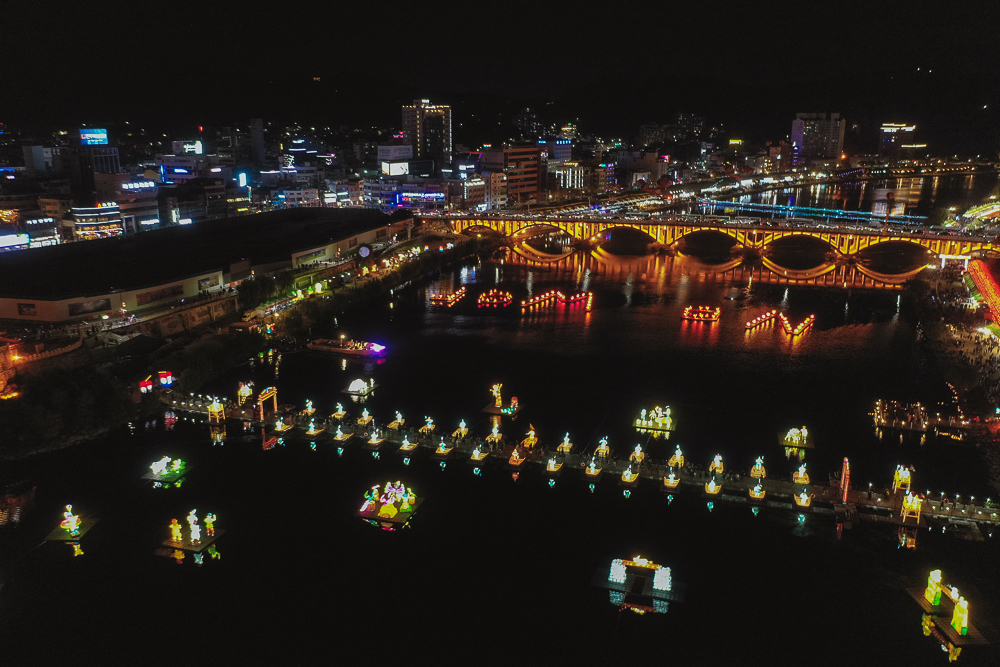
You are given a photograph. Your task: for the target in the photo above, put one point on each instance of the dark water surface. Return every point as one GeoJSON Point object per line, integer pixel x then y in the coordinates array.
{"type": "Point", "coordinates": [497, 570]}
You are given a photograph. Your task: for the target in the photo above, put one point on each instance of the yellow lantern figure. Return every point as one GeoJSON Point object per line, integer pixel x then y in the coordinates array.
{"type": "Point", "coordinates": [210, 524]}
{"type": "Point", "coordinates": [758, 471]}
{"type": "Point", "coordinates": [911, 507]}
{"type": "Point", "coordinates": [960, 617]}
{"type": "Point", "coordinates": [677, 459]}
{"type": "Point", "coordinates": [933, 591]}
{"type": "Point", "coordinates": [901, 479]}
{"type": "Point", "coordinates": [77, 549]}
{"type": "Point", "coordinates": [175, 531]}
{"type": "Point", "coordinates": [496, 395]}
{"type": "Point", "coordinates": [716, 464]}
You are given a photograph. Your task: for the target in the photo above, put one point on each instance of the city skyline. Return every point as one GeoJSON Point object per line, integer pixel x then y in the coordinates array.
{"type": "Point", "coordinates": [749, 71]}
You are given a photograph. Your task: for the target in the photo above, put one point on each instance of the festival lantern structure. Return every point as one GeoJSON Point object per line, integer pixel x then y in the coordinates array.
{"type": "Point", "coordinates": [716, 465]}
{"type": "Point", "coordinates": [313, 431]}
{"type": "Point", "coordinates": [495, 436]}
{"type": "Point", "coordinates": [146, 386]}
{"type": "Point", "coordinates": [516, 459]}
{"type": "Point", "coordinates": [762, 319]}
{"type": "Point", "coordinates": [553, 466]}
{"type": "Point", "coordinates": [443, 449]}
{"type": "Point", "coordinates": [359, 390]}
{"type": "Point", "coordinates": [216, 412]}
{"type": "Point", "coordinates": [603, 451]}
{"type": "Point", "coordinates": [701, 313]}
{"type": "Point", "coordinates": [196, 542]}
{"type": "Point", "coordinates": [593, 469]}
{"type": "Point", "coordinates": [375, 440]}
{"type": "Point", "coordinates": [671, 480]}
{"type": "Point", "coordinates": [677, 458]}
{"type": "Point", "coordinates": [800, 476]}
{"type": "Point", "coordinates": [639, 585]}
{"type": "Point", "coordinates": [479, 454]}
{"type": "Point", "coordinates": [448, 300]}
{"type": "Point", "coordinates": [629, 476]}
{"type": "Point", "coordinates": [407, 446]}
{"type": "Point", "coordinates": [637, 456]}
{"type": "Point", "coordinates": [166, 379]}
{"type": "Point", "coordinates": [757, 492]}
{"type": "Point", "coordinates": [461, 431]}
{"type": "Point", "coordinates": [244, 392]}
{"type": "Point", "coordinates": [800, 328]}
{"type": "Point", "coordinates": [365, 418]}
{"type": "Point", "coordinates": [911, 507]}
{"type": "Point", "coordinates": [397, 423]}
{"type": "Point", "coordinates": [554, 296]}
{"type": "Point", "coordinates": [428, 426]}
{"type": "Point", "coordinates": [712, 488]}
{"type": "Point", "coordinates": [310, 410]}
{"type": "Point", "coordinates": [565, 447]}
{"type": "Point", "coordinates": [340, 413]}
{"type": "Point", "coordinates": [391, 509]}
{"type": "Point", "coordinates": [340, 436]}
{"type": "Point", "coordinates": [280, 426]}
{"type": "Point", "coordinates": [530, 440]}
{"type": "Point", "coordinates": [901, 479]}
{"type": "Point", "coordinates": [657, 421]}
{"type": "Point", "coordinates": [495, 298]}
{"type": "Point", "coordinates": [268, 394]}
{"type": "Point", "coordinates": [166, 472]}
{"type": "Point", "coordinates": [758, 471]}
{"type": "Point", "coordinates": [803, 499]}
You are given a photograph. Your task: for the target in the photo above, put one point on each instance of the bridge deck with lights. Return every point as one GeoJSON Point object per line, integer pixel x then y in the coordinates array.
{"type": "Point", "coordinates": [668, 231]}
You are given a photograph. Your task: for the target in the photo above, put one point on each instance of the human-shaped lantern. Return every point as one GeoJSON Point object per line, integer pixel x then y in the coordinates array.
{"type": "Point", "coordinates": [406, 442]}
{"type": "Point", "coordinates": [71, 522]}
{"type": "Point", "coordinates": [192, 519]}
{"type": "Point", "coordinates": [312, 425]}
{"type": "Point", "coordinates": [175, 531]}
{"type": "Point", "coordinates": [441, 445]}
{"type": "Point", "coordinates": [399, 417]}
{"type": "Point", "coordinates": [309, 405]}
{"type": "Point", "coordinates": [340, 433]}
{"type": "Point", "coordinates": [461, 425]}
{"type": "Point", "coordinates": [364, 414]}
{"type": "Point", "coordinates": [495, 432]}
{"type": "Point", "coordinates": [210, 524]}
{"type": "Point", "coordinates": [340, 408]}
{"type": "Point", "coordinates": [566, 439]}
{"type": "Point", "coordinates": [496, 394]}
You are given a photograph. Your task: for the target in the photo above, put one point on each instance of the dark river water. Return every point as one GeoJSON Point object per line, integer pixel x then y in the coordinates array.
{"type": "Point", "coordinates": [494, 569]}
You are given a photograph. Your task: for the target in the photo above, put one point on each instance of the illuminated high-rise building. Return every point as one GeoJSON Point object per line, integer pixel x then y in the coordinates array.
{"type": "Point", "coordinates": [428, 128]}
{"type": "Point", "coordinates": [817, 136]}
{"type": "Point", "coordinates": [893, 137]}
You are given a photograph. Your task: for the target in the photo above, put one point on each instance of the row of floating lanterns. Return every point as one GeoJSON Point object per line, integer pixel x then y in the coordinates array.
{"type": "Point", "coordinates": [495, 298]}
{"type": "Point", "coordinates": [448, 299]}
{"type": "Point", "coordinates": [800, 328]}
{"type": "Point", "coordinates": [555, 295]}
{"type": "Point", "coordinates": [761, 319]}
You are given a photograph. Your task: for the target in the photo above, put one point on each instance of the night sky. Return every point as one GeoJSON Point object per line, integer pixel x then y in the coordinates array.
{"type": "Point", "coordinates": [611, 68]}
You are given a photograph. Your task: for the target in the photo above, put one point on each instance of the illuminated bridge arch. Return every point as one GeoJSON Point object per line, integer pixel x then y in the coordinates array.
{"type": "Point", "coordinates": [669, 232]}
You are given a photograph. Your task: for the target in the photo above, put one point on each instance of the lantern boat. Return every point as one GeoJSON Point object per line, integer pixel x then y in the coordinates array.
{"type": "Point", "coordinates": [350, 348]}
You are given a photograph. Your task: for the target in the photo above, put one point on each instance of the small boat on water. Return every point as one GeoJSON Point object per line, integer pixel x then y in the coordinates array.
{"type": "Point", "coordinates": [351, 348]}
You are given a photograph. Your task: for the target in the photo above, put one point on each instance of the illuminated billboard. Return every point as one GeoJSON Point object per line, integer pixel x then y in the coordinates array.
{"type": "Point", "coordinates": [93, 137]}
{"type": "Point", "coordinates": [396, 168]}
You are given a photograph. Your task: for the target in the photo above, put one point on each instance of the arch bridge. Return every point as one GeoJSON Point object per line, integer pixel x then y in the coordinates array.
{"type": "Point", "coordinates": [846, 242]}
